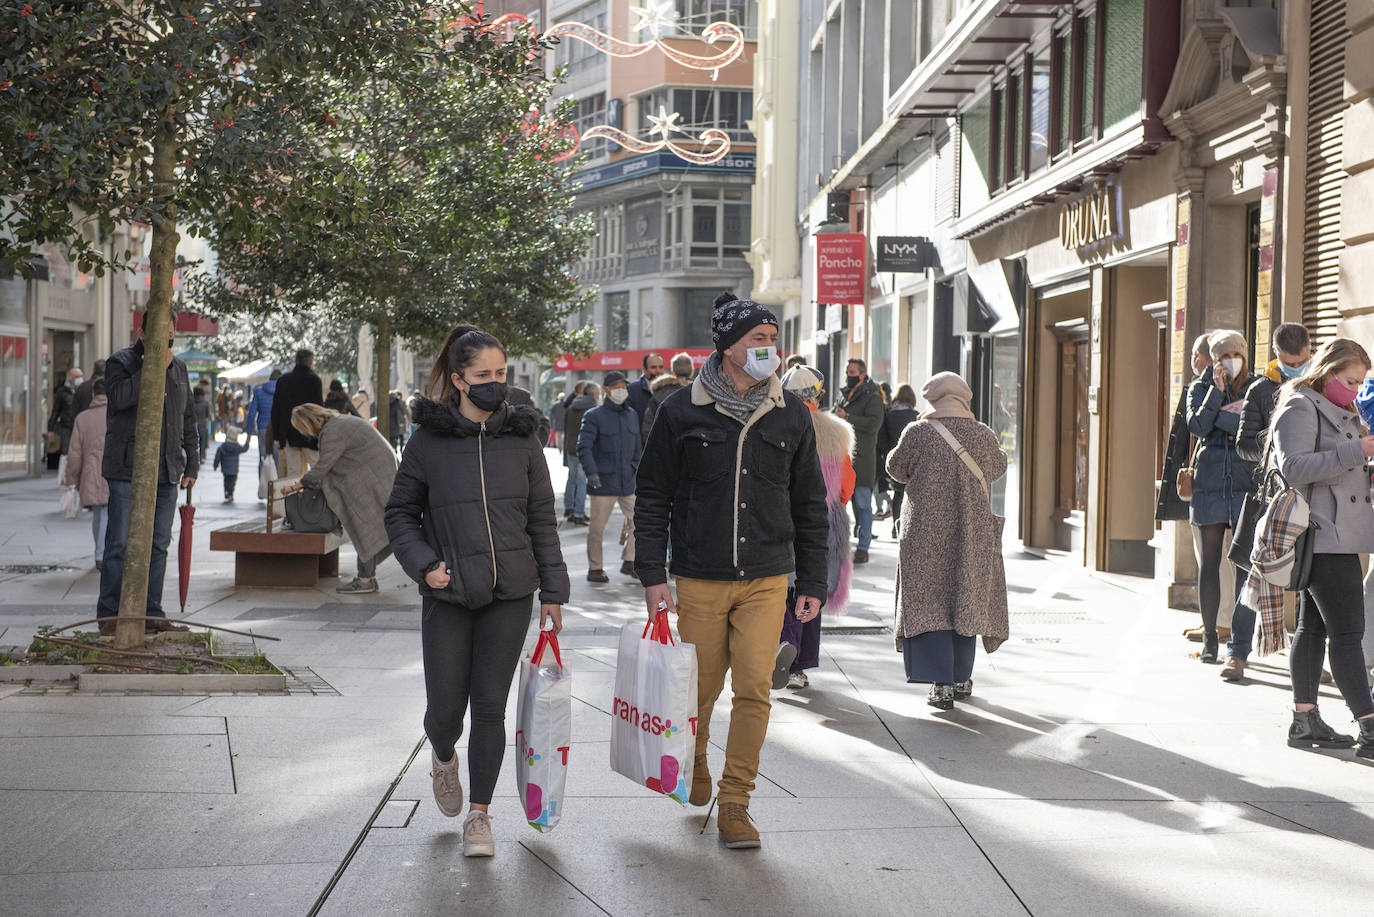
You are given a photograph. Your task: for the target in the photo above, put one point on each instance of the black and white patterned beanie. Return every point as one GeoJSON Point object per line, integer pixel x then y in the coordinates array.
{"type": "Point", "coordinates": [734, 318]}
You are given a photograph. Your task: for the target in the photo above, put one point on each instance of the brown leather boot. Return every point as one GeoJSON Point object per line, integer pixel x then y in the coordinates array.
{"type": "Point", "coordinates": [736, 830]}
{"type": "Point", "coordinates": [701, 782]}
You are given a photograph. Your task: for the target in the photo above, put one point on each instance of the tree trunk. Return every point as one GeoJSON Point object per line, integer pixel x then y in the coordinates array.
{"type": "Point", "coordinates": [382, 356]}
{"type": "Point", "coordinates": [133, 596]}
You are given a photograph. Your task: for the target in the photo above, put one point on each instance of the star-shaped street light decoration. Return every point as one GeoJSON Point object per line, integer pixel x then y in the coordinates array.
{"type": "Point", "coordinates": [656, 19]}
{"type": "Point", "coordinates": [664, 123]}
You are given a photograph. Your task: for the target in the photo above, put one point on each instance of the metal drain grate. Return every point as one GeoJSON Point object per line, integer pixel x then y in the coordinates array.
{"type": "Point", "coordinates": [305, 681]}
{"type": "Point", "coordinates": [37, 568]}
{"type": "Point", "coordinates": [855, 631]}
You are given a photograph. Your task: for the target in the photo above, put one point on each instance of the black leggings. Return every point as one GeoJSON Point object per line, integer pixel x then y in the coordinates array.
{"type": "Point", "coordinates": [1213, 538]}
{"type": "Point", "coordinates": [470, 656]}
{"type": "Point", "coordinates": [1332, 605]}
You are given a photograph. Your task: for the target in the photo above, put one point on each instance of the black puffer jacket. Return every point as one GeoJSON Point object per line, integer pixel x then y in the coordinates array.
{"type": "Point", "coordinates": [180, 438]}
{"type": "Point", "coordinates": [478, 498]}
{"type": "Point", "coordinates": [1260, 400]}
{"type": "Point", "coordinates": [734, 511]}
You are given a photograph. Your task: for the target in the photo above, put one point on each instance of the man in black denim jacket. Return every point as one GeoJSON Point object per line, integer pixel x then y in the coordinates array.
{"type": "Point", "coordinates": [731, 474]}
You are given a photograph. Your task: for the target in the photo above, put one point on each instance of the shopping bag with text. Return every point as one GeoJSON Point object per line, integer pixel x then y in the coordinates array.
{"type": "Point", "coordinates": [654, 711]}
{"type": "Point", "coordinates": [543, 733]}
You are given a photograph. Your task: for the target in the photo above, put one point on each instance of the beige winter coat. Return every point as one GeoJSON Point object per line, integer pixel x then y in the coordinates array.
{"type": "Point", "coordinates": [950, 573]}
{"type": "Point", "coordinates": [85, 454]}
{"type": "Point", "coordinates": [355, 470]}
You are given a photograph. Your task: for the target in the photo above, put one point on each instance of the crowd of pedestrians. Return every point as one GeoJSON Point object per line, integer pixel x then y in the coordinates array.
{"type": "Point", "coordinates": [738, 494]}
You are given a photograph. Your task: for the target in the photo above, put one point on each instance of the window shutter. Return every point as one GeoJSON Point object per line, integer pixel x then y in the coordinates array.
{"type": "Point", "coordinates": [1324, 175]}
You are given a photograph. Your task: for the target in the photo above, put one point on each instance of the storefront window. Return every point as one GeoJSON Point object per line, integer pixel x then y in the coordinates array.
{"type": "Point", "coordinates": [618, 321]}
{"type": "Point", "coordinates": [697, 306]}
{"type": "Point", "coordinates": [880, 346]}
{"type": "Point", "coordinates": [1006, 409]}
{"type": "Point", "coordinates": [14, 399]}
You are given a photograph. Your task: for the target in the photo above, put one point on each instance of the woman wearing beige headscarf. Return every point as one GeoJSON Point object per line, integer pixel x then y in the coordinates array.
{"type": "Point", "coordinates": [951, 582]}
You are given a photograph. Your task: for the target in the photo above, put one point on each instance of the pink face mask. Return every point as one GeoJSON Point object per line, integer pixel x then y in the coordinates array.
{"type": "Point", "coordinates": [1338, 393]}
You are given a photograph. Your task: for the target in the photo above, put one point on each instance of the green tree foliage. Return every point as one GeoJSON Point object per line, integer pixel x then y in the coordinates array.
{"type": "Point", "coordinates": [176, 113]}
{"type": "Point", "coordinates": [455, 208]}
{"type": "Point", "coordinates": [279, 334]}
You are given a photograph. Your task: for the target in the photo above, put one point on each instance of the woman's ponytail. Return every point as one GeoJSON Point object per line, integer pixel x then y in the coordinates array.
{"type": "Point", "coordinates": [460, 348]}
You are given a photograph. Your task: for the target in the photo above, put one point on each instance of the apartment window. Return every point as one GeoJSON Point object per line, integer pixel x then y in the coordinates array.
{"type": "Point", "coordinates": [706, 226]}
{"type": "Point", "coordinates": [699, 109]}
{"type": "Point", "coordinates": [588, 112]}
{"type": "Point", "coordinates": [618, 321]}
{"type": "Point", "coordinates": [1087, 78]}
{"type": "Point", "coordinates": [695, 15]}
{"type": "Point", "coordinates": [578, 56]}
{"type": "Point", "coordinates": [1039, 110]}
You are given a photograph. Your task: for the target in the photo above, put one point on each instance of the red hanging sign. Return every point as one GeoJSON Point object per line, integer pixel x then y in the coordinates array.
{"type": "Point", "coordinates": [841, 268]}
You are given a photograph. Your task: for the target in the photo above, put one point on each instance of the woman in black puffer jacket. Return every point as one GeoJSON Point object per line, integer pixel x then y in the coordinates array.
{"type": "Point", "coordinates": [471, 519]}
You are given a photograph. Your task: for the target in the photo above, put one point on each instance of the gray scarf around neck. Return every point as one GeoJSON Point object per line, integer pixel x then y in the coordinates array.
{"type": "Point", "coordinates": [719, 387]}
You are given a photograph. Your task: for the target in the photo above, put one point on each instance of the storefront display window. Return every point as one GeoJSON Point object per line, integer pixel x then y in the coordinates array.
{"type": "Point", "coordinates": [1006, 410]}
{"type": "Point", "coordinates": [880, 365]}
{"type": "Point", "coordinates": [14, 399]}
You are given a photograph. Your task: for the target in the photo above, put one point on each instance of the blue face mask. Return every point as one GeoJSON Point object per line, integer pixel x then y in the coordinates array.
{"type": "Point", "coordinates": [1292, 372]}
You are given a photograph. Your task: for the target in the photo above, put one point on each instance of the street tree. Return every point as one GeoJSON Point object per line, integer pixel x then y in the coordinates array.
{"type": "Point", "coordinates": [179, 114]}
{"type": "Point", "coordinates": [279, 334]}
{"type": "Point", "coordinates": [457, 207]}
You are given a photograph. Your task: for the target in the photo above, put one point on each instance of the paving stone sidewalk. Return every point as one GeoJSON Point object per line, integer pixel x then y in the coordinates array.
{"type": "Point", "coordinates": [1097, 769]}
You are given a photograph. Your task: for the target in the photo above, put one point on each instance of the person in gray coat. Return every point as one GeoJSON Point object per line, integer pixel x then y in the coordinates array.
{"type": "Point", "coordinates": [1321, 448]}
{"type": "Point", "coordinates": [356, 469]}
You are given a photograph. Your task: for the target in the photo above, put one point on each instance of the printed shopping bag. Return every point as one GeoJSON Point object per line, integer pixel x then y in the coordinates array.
{"type": "Point", "coordinates": [654, 711]}
{"type": "Point", "coordinates": [543, 733]}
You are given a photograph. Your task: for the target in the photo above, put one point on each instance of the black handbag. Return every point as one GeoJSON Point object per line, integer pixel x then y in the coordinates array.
{"type": "Point", "coordinates": [1243, 537]}
{"type": "Point", "coordinates": [307, 511]}
{"type": "Point", "coordinates": [1302, 559]}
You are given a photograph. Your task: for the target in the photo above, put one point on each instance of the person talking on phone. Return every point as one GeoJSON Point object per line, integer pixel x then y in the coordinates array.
{"type": "Point", "coordinates": [731, 475]}
{"type": "Point", "coordinates": [471, 519]}
{"type": "Point", "coordinates": [1221, 478]}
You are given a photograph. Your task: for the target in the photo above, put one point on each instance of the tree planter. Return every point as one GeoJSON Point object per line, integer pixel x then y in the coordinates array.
{"type": "Point", "coordinates": [14, 673]}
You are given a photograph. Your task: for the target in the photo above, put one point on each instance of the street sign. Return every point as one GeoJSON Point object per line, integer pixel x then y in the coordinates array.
{"type": "Point", "coordinates": [902, 254]}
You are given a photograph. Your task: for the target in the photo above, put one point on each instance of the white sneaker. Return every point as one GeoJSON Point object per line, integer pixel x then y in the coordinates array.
{"type": "Point", "coordinates": [798, 680]}
{"type": "Point", "coordinates": [448, 788]}
{"type": "Point", "coordinates": [477, 837]}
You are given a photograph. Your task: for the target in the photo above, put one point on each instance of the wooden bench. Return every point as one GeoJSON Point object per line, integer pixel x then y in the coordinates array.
{"type": "Point", "coordinates": [278, 557]}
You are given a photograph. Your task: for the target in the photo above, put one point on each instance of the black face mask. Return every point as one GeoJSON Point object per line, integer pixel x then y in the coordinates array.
{"type": "Point", "coordinates": [488, 396]}
{"type": "Point", "coordinates": [850, 382]}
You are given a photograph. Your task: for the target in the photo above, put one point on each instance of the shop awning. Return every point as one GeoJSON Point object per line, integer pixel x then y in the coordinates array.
{"type": "Point", "coordinates": [255, 372]}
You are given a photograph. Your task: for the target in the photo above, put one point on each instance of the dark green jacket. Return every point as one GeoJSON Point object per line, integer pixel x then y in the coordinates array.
{"type": "Point", "coordinates": [864, 409]}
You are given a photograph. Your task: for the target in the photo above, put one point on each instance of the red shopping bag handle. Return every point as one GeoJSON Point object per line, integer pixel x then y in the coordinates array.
{"type": "Point", "coordinates": [659, 629]}
{"type": "Point", "coordinates": [546, 638]}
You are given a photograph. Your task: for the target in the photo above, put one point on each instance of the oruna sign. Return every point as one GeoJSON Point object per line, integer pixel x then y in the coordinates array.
{"type": "Point", "coordinates": [1089, 220]}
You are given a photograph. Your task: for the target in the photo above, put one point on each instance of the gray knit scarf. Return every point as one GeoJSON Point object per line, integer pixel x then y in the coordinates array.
{"type": "Point", "coordinates": [719, 387]}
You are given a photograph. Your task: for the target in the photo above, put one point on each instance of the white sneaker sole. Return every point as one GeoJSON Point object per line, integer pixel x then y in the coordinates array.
{"type": "Point", "coordinates": [479, 850]}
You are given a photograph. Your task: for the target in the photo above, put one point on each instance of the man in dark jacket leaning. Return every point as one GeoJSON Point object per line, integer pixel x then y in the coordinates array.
{"type": "Point", "coordinates": [863, 408]}
{"type": "Point", "coordinates": [299, 386]}
{"type": "Point", "coordinates": [608, 448]}
{"type": "Point", "coordinates": [1292, 353]}
{"type": "Point", "coordinates": [178, 464]}
{"type": "Point", "coordinates": [731, 475]}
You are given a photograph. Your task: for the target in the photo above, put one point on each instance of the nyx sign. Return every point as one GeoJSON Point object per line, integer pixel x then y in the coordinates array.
{"type": "Point", "coordinates": [902, 254]}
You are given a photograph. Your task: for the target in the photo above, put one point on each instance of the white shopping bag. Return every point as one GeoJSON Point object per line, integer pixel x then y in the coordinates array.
{"type": "Point", "coordinates": [654, 711]}
{"type": "Point", "coordinates": [70, 503]}
{"type": "Point", "coordinates": [543, 733]}
{"type": "Point", "coordinates": [266, 473]}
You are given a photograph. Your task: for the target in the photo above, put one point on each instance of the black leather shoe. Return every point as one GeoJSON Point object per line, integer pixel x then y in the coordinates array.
{"type": "Point", "coordinates": [1209, 649]}
{"type": "Point", "coordinates": [860, 557]}
{"type": "Point", "coordinates": [1309, 730]}
{"type": "Point", "coordinates": [597, 576]}
{"type": "Point", "coordinates": [941, 697]}
{"type": "Point", "coordinates": [1366, 747]}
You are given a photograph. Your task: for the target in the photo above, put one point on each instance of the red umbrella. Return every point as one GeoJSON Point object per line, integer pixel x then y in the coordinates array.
{"type": "Point", "coordinates": [188, 516]}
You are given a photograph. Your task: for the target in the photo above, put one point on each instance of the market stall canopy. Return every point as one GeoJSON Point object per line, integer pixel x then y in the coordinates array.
{"type": "Point", "coordinates": [255, 372]}
{"type": "Point", "coordinates": [199, 360]}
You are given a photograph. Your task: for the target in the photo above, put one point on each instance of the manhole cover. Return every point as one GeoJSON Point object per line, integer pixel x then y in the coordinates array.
{"type": "Point", "coordinates": [36, 568]}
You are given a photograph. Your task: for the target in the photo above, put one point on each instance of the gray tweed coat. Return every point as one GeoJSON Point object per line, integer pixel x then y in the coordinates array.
{"type": "Point", "coordinates": [356, 470]}
{"type": "Point", "coordinates": [950, 574]}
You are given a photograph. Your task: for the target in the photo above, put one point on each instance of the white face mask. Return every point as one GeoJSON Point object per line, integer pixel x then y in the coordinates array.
{"type": "Point", "coordinates": [762, 362]}
{"type": "Point", "coordinates": [618, 395]}
{"type": "Point", "coordinates": [1233, 366]}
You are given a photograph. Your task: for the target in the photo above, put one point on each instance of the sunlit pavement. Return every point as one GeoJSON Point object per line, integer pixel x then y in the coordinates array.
{"type": "Point", "coordinates": [1097, 769]}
